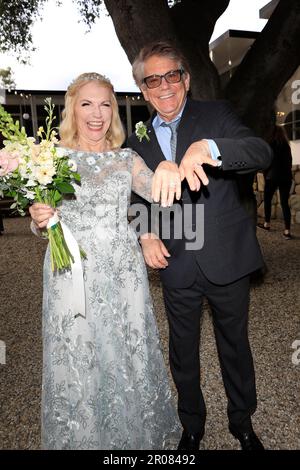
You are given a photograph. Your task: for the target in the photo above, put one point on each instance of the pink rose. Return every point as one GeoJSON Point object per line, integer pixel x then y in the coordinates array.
{"type": "Point", "coordinates": [8, 162]}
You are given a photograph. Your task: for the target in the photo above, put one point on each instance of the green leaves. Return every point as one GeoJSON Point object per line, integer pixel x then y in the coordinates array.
{"type": "Point", "coordinates": [44, 172]}
{"type": "Point", "coordinates": [17, 18]}
{"type": "Point", "coordinates": [10, 129]}
{"type": "Point", "coordinates": [76, 177]}
{"type": "Point", "coordinates": [65, 188]}
{"type": "Point", "coordinates": [57, 197]}
{"type": "Point", "coordinates": [49, 108]}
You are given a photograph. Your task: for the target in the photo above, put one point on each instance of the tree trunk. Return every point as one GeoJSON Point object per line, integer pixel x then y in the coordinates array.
{"type": "Point", "coordinates": [257, 81]}
{"type": "Point", "coordinates": [268, 65]}
{"type": "Point", "coordinates": [194, 22]}
{"type": "Point", "coordinates": [188, 25]}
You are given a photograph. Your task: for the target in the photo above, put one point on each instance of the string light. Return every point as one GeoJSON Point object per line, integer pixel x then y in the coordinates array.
{"type": "Point", "coordinates": [26, 116]}
{"type": "Point", "coordinates": [28, 96]}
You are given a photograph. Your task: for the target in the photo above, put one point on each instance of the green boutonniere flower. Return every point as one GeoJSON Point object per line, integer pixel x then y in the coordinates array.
{"type": "Point", "coordinates": [141, 131]}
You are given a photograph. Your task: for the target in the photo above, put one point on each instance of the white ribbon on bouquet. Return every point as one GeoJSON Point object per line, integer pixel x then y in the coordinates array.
{"type": "Point", "coordinates": [78, 292]}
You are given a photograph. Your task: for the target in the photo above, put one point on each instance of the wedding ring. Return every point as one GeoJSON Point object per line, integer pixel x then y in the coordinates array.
{"type": "Point", "coordinates": [172, 184]}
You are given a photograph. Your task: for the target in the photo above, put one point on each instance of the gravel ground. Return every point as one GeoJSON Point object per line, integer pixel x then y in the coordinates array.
{"type": "Point", "coordinates": [273, 327]}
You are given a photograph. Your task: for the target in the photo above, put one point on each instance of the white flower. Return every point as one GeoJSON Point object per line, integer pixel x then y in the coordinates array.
{"type": "Point", "coordinates": [60, 152]}
{"type": "Point", "coordinates": [30, 182]}
{"type": "Point", "coordinates": [72, 165]}
{"type": "Point", "coordinates": [40, 131]}
{"type": "Point", "coordinates": [45, 157]}
{"type": "Point", "coordinates": [29, 194]}
{"type": "Point", "coordinates": [44, 174]}
{"type": "Point", "coordinates": [91, 160]}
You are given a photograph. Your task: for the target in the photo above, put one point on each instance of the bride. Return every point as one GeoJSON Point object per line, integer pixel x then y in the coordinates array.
{"type": "Point", "coordinates": [105, 384]}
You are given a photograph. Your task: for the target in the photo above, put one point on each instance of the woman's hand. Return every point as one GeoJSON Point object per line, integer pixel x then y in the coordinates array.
{"type": "Point", "coordinates": [166, 183]}
{"type": "Point", "coordinates": [40, 214]}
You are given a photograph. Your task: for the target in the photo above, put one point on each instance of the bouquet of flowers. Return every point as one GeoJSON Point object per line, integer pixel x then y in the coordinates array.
{"type": "Point", "coordinates": [40, 172]}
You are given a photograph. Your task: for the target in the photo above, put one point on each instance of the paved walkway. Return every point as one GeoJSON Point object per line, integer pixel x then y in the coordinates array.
{"type": "Point", "coordinates": [274, 326]}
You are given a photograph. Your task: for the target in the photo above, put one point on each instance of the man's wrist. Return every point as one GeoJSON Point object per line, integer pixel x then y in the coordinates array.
{"type": "Point", "coordinates": [148, 236]}
{"type": "Point", "coordinates": [203, 147]}
{"type": "Point", "coordinates": [214, 151]}
{"type": "Point", "coordinates": [220, 163]}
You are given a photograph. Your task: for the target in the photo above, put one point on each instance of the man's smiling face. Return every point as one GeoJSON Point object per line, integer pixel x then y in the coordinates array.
{"type": "Point", "coordinates": [168, 98]}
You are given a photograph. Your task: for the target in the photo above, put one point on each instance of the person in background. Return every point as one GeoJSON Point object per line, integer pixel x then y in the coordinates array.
{"type": "Point", "coordinates": [279, 176]}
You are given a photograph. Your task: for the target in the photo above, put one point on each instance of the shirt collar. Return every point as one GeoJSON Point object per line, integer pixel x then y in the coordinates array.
{"type": "Point", "coordinates": [157, 121]}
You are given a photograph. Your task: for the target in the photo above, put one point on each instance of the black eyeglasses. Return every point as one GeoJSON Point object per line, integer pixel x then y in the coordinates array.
{"type": "Point", "coordinates": [153, 81]}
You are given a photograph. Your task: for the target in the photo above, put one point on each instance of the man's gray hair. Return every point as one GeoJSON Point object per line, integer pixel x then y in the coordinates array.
{"type": "Point", "coordinates": [162, 49]}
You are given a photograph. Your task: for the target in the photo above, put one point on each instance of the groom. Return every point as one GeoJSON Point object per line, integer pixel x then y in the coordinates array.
{"type": "Point", "coordinates": [210, 145]}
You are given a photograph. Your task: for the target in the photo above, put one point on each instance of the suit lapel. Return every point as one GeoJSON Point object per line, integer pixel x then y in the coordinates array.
{"type": "Point", "coordinates": [156, 152]}
{"type": "Point", "coordinates": [189, 119]}
{"type": "Point", "coordinates": [150, 150]}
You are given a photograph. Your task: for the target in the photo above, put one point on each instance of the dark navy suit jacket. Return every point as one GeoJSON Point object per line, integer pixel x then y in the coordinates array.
{"type": "Point", "coordinates": [230, 250]}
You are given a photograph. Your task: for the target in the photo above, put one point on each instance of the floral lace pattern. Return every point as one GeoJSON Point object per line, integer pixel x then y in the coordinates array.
{"type": "Point", "coordinates": [105, 384]}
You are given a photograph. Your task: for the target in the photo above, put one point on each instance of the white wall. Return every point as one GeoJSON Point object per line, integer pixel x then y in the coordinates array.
{"type": "Point", "coordinates": [295, 148]}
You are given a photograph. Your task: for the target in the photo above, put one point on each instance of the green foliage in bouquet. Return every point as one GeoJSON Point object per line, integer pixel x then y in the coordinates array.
{"type": "Point", "coordinates": [40, 172]}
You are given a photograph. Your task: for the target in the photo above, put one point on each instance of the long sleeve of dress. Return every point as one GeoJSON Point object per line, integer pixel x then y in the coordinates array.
{"type": "Point", "coordinates": [141, 178]}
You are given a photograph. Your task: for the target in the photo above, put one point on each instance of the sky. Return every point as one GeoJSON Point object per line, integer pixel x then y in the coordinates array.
{"type": "Point", "coordinates": [65, 49]}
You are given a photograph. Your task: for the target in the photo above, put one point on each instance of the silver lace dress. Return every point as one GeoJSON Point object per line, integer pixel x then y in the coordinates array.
{"type": "Point", "coordinates": [105, 384]}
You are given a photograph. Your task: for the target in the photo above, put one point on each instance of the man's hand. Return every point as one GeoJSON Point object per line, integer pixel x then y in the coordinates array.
{"type": "Point", "coordinates": [191, 165]}
{"type": "Point", "coordinates": [166, 183]}
{"type": "Point", "coordinates": [154, 251]}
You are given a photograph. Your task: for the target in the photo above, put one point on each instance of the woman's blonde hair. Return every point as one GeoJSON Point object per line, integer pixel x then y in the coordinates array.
{"type": "Point", "coordinates": [68, 129]}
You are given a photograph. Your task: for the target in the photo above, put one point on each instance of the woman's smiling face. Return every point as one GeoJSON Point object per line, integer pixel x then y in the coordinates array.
{"type": "Point", "coordinates": [93, 115]}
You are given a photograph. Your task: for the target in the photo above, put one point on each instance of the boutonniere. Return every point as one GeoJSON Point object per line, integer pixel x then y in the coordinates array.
{"type": "Point", "coordinates": [141, 131]}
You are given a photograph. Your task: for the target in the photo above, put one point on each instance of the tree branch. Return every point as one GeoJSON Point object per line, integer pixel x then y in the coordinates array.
{"type": "Point", "coordinates": [268, 65]}
{"type": "Point", "coordinates": [188, 25]}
